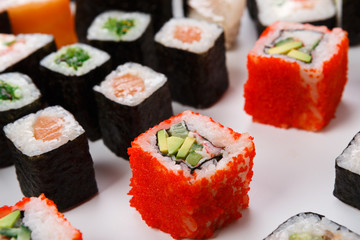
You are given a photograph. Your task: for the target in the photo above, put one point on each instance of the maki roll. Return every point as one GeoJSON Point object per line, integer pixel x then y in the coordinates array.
{"type": "Point", "coordinates": [296, 75]}
{"type": "Point", "coordinates": [190, 175]}
{"type": "Point", "coordinates": [311, 226]}
{"type": "Point", "coordinates": [129, 101]}
{"type": "Point", "coordinates": [18, 97]}
{"type": "Point", "coordinates": [68, 77]}
{"type": "Point", "coordinates": [347, 181]}
{"type": "Point", "coordinates": [318, 12]}
{"type": "Point", "coordinates": [27, 16]}
{"type": "Point", "coordinates": [191, 54]}
{"type": "Point", "coordinates": [126, 36]}
{"type": "Point", "coordinates": [35, 218]}
{"type": "Point", "coordinates": [51, 155]}
{"type": "Point", "coordinates": [227, 14]}
{"type": "Point", "coordinates": [350, 19]}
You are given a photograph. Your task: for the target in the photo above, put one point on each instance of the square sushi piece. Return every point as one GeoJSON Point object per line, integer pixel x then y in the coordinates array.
{"type": "Point", "coordinates": [51, 155]}
{"type": "Point", "coordinates": [18, 97]}
{"type": "Point", "coordinates": [191, 175]}
{"type": "Point", "coordinates": [311, 226]}
{"type": "Point", "coordinates": [35, 218]}
{"type": "Point", "coordinates": [130, 100]}
{"type": "Point", "coordinates": [296, 75]}
{"type": "Point", "coordinates": [191, 54]}
{"type": "Point", "coordinates": [347, 181]}
{"type": "Point", "coordinates": [68, 76]}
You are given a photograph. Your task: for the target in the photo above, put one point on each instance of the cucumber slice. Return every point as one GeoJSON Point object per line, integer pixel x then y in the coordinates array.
{"type": "Point", "coordinates": [179, 130]}
{"type": "Point", "coordinates": [24, 234]}
{"type": "Point", "coordinates": [193, 158]}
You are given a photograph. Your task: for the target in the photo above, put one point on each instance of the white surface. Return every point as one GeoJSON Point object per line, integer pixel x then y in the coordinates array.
{"type": "Point", "coordinates": [294, 170]}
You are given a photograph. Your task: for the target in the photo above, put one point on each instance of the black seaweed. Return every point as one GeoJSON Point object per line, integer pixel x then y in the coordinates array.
{"type": "Point", "coordinates": [5, 26]}
{"type": "Point", "coordinates": [121, 124]}
{"type": "Point", "coordinates": [10, 116]}
{"type": "Point", "coordinates": [65, 175]}
{"type": "Point", "coordinates": [252, 8]}
{"type": "Point", "coordinates": [86, 11]}
{"type": "Point", "coordinates": [75, 94]}
{"type": "Point", "coordinates": [351, 20]}
{"type": "Point", "coordinates": [197, 80]}
{"type": "Point", "coordinates": [141, 50]}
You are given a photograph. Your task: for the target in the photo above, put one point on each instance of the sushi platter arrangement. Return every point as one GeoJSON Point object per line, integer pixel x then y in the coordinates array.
{"type": "Point", "coordinates": [121, 121]}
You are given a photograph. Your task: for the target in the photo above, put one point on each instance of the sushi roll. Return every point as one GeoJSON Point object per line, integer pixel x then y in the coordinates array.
{"type": "Point", "coordinates": [347, 181]}
{"type": "Point", "coordinates": [23, 52]}
{"type": "Point", "coordinates": [194, 172]}
{"type": "Point", "coordinates": [130, 100]}
{"type": "Point", "coordinates": [160, 11]}
{"type": "Point", "coordinates": [35, 218]}
{"type": "Point", "coordinates": [68, 77]}
{"type": "Point", "coordinates": [311, 226]}
{"type": "Point", "coordinates": [191, 54]}
{"type": "Point", "coordinates": [27, 16]}
{"type": "Point", "coordinates": [126, 36]}
{"type": "Point", "coordinates": [18, 97]}
{"type": "Point", "coordinates": [227, 14]}
{"type": "Point", "coordinates": [296, 75]}
{"type": "Point", "coordinates": [318, 12]}
{"type": "Point", "coordinates": [350, 19]}
{"type": "Point", "coordinates": [51, 155]}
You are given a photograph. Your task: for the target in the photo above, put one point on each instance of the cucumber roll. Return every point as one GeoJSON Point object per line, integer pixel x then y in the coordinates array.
{"type": "Point", "coordinates": [191, 54]}
{"type": "Point", "coordinates": [129, 101]}
{"type": "Point", "coordinates": [318, 12]}
{"type": "Point", "coordinates": [35, 218]}
{"type": "Point", "coordinates": [347, 181]}
{"type": "Point", "coordinates": [126, 36]}
{"type": "Point", "coordinates": [311, 226]}
{"type": "Point", "coordinates": [51, 156]}
{"type": "Point", "coordinates": [18, 97]}
{"type": "Point", "coordinates": [68, 77]}
{"type": "Point", "coordinates": [190, 175]}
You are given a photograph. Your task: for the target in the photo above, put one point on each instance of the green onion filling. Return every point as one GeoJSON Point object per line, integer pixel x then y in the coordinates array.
{"type": "Point", "coordinates": [74, 57]}
{"type": "Point", "coordinates": [119, 27]}
{"type": "Point", "coordinates": [9, 92]}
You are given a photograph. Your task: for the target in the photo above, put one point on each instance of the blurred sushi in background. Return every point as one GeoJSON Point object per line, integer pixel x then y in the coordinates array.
{"type": "Point", "coordinates": [51, 155]}
{"type": "Point", "coordinates": [350, 19]}
{"type": "Point", "coordinates": [18, 97]}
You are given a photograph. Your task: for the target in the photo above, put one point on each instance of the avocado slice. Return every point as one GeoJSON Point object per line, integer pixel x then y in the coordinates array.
{"type": "Point", "coordinates": [300, 56]}
{"type": "Point", "coordinates": [179, 130]}
{"type": "Point", "coordinates": [193, 158]}
{"type": "Point", "coordinates": [162, 142]}
{"type": "Point", "coordinates": [174, 143]}
{"type": "Point", "coordinates": [285, 48]}
{"type": "Point", "coordinates": [9, 220]}
{"type": "Point", "coordinates": [185, 148]}
{"type": "Point", "coordinates": [24, 233]}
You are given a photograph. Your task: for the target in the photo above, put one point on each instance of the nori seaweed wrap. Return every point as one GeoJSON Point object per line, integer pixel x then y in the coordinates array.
{"type": "Point", "coordinates": [68, 77]}
{"type": "Point", "coordinates": [347, 181]}
{"type": "Point", "coordinates": [5, 26]}
{"type": "Point", "coordinates": [51, 155]}
{"type": "Point", "coordinates": [350, 19]}
{"type": "Point", "coordinates": [131, 100]}
{"type": "Point", "coordinates": [191, 54]}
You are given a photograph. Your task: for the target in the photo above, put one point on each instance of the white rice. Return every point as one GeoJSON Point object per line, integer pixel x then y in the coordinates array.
{"type": "Point", "coordinates": [97, 58]}
{"type": "Point", "coordinates": [210, 33]}
{"type": "Point", "coordinates": [219, 137]}
{"type": "Point", "coordinates": [44, 222]}
{"type": "Point", "coordinates": [350, 158]}
{"type": "Point", "coordinates": [152, 80]}
{"type": "Point", "coordinates": [271, 11]}
{"type": "Point", "coordinates": [96, 30]}
{"type": "Point", "coordinates": [21, 132]}
{"type": "Point", "coordinates": [25, 45]}
{"type": "Point", "coordinates": [310, 223]}
{"type": "Point", "coordinates": [26, 89]}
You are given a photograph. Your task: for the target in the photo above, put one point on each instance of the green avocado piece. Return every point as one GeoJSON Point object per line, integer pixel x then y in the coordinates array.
{"type": "Point", "coordinates": [285, 48]}
{"type": "Point", "coordinates": [9, 220]}
{"type": "Point", "coordinates": [174, 143]}
{"type": "Point", "coordinates": [193, 158]}
{"type": "Point", "coordinates": [185, 148]}
{"type": "Point", "coordinates": [162, 142]}
{"type": "Point", "coordinates": [300, 56]}
{"type": "Point", "coordinates": [24, 234]}
{"type": "Point", "coordinates": [179, 130]}
{"type": "Point", "coordinates": [300, 236]}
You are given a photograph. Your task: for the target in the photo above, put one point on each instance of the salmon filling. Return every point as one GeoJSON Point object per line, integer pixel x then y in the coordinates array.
{"type": "Point", "coordinates": [127, 84]}
{"type": "Point", "coordinates": [48, 128]}
{"type": "Point", "coordinates": [188, 34]}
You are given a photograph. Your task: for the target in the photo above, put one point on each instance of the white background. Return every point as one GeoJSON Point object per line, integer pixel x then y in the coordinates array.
{"type": "Point", "coordinates": [294, 170]}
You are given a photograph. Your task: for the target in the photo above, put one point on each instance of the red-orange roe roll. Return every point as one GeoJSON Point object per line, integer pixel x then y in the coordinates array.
{"type": "Point", "coordinates": [184, 197]}
{"type": "Point", "coordinates": [300, 91]}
